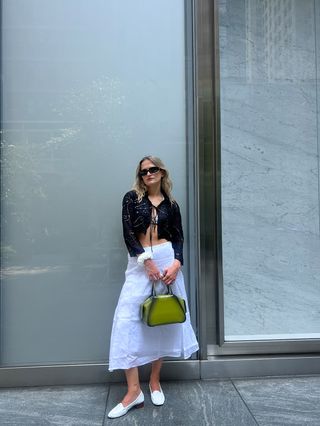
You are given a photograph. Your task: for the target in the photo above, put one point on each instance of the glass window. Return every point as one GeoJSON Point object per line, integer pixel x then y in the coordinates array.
{"type": "Point", "coordinates": [89, 88]}
{"type": "Point", "coordinates": [270, 168]}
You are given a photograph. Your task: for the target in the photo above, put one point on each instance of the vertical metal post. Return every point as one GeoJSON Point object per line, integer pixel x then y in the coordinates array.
{"type": "Point", "coordinates": [1, 147]}
{"type": "Point", "coordinates": [208, 132]}
{"type": "Point", "coordinates": [192, 173]}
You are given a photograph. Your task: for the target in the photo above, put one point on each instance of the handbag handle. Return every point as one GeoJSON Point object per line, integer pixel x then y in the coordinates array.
{"type": "Point", "coordinates": [153, 290]}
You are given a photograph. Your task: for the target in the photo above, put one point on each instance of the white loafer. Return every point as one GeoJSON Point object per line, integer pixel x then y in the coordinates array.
{"type": "Point", "coordinates": [120, 410]}
{"type": "Point", "coordinates": [157, 397]}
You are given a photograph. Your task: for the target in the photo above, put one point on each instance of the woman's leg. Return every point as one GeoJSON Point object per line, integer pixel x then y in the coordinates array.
{"type": "Point", "coordinates": [155, 375]}
{"type": "Point", "coordinates": [132, 376]}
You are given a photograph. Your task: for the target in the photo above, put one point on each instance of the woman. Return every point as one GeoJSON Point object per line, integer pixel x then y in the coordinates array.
{"type": "Point", "coordinates": [153, 235]}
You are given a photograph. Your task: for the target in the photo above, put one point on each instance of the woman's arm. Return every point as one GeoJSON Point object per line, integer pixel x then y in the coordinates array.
{"type": "Point", "coordinates": [170, 273]}
{"type": "Point", "coordinates": [177, 233]}
{"type": "Point", "coordinates": [133, 244]}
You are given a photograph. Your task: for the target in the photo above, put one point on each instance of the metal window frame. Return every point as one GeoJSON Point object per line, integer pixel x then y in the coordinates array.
{"type": "Point", "coordinates": [211, 250]}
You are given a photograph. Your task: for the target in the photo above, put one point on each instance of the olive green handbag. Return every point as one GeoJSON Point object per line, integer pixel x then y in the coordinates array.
{"type": "Point", "coordinates": [162, 309]}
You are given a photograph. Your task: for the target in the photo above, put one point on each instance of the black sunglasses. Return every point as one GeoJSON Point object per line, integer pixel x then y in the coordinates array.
{"type": "Point", "coordinates": [151, 170]}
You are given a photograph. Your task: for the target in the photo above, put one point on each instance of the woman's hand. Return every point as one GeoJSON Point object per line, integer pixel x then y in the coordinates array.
{"type": "Point", "coordinates": [170, 274]}
{"type": "Point", "coordinates": [152, 270]}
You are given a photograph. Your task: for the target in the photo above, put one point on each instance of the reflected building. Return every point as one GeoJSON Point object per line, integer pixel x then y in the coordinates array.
{"type": "Point", "coordinates": [271, 38]}
{"type": "Point", "coordinates": [279, 30]}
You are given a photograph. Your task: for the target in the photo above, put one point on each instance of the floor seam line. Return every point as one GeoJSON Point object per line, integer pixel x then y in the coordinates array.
{"type": "Point", "coordinates": [242, 399]}
{"type": "Point", "coordinates": [105, 408]}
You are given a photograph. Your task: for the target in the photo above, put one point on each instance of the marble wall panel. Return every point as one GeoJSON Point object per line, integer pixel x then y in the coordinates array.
{"type": "Point", "coordinates": [270, 168]}
{"type": "Point", "coordinates": [317, 46]}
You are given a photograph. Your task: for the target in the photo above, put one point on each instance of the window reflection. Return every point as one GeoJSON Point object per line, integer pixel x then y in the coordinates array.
{"type": "Point", "coordinates": [88, 89]}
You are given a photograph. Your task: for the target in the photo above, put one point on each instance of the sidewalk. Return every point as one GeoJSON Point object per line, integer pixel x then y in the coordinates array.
{"type": "Point", "coordinates": [258, 401]}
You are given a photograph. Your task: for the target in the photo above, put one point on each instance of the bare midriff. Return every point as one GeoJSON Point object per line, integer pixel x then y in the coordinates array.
{"type": "Point", "coordinates": [146, 241]}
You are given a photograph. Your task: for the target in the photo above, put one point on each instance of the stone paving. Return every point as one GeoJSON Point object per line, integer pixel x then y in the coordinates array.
{"type": "Point", "coordinates": [232, 402]}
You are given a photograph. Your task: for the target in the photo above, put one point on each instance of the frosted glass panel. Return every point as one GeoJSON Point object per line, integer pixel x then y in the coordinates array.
{"type": "Point", "coordinates": [270, 167]}
{"type": "Point", "coordinates": [89, 87]}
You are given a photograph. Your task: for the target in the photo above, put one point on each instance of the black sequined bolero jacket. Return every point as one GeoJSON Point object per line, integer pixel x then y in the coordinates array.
{"type": "Point", "coordinates": [136, 218]}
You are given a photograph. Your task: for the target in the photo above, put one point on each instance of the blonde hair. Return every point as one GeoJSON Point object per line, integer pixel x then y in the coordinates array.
{"type": "Point", "coordinates": [166, 184]}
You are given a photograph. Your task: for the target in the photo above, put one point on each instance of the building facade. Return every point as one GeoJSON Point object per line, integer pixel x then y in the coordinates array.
{"type": "Point", "coordinates": [226, 92]}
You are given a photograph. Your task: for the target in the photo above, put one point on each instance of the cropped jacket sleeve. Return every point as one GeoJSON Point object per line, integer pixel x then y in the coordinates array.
{"type": "Point", "coordinates": [128, 217]}
{"type": "Point", "coordinates": [177, 233]}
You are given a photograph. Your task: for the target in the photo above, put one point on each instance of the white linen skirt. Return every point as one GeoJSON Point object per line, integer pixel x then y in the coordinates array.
{"type": "Point", "coordinates": [133, 343]}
